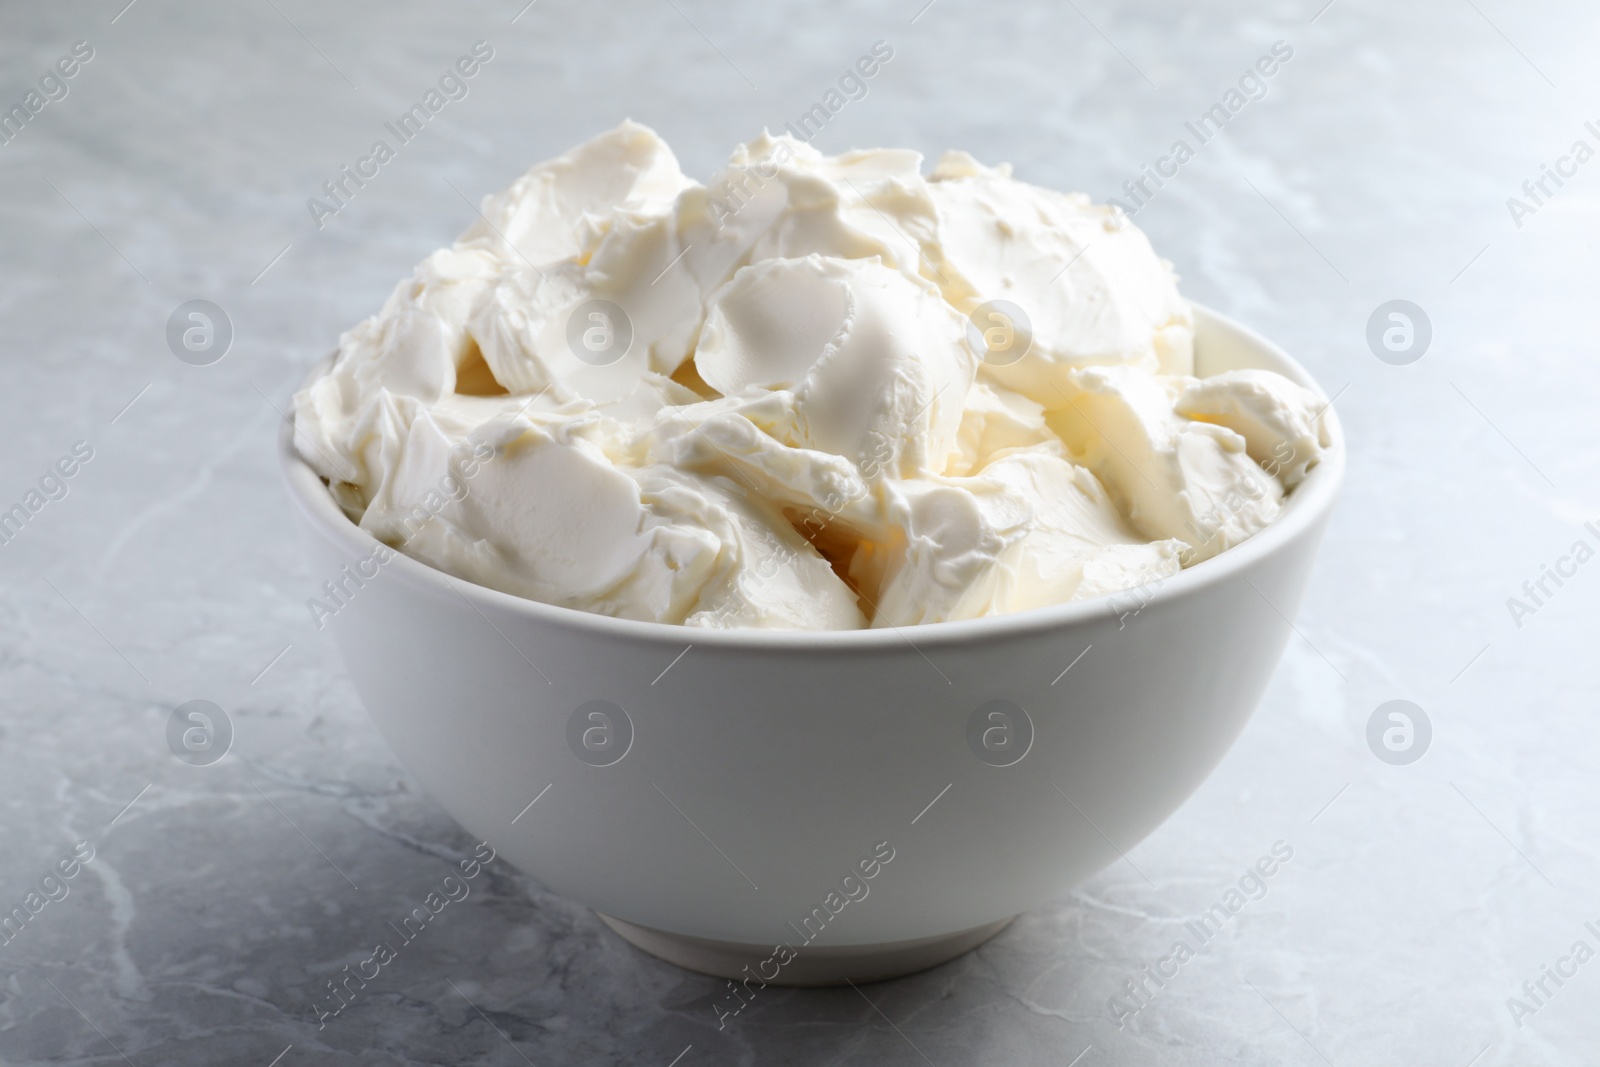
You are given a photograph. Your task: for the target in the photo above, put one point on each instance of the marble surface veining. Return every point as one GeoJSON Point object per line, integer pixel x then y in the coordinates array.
{"type": "Point", "coordinates": [1378, 163]}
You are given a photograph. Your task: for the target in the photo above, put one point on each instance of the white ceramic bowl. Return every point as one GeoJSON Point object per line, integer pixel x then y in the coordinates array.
{"type": "Point", "coordinates": [752, 774]}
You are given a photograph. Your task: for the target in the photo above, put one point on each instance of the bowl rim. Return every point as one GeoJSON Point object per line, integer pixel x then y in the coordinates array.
{"type": "Point", "coordinates": [1304, 510]}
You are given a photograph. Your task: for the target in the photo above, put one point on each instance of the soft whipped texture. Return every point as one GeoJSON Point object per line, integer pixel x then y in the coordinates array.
{"type": "Point", "coordinates": [788, 425]}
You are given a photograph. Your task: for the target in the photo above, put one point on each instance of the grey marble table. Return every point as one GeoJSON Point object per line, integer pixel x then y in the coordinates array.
{"type": "Point", "coordinates": [1386, 159]}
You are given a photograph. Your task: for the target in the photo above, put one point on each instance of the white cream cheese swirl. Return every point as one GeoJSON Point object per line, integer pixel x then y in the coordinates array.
{"type": "Point", "coordinates": [761, 403]}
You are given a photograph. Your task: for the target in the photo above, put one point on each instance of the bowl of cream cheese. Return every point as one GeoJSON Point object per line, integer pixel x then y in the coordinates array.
{"type": "Point", "coordinates": [812, 569]}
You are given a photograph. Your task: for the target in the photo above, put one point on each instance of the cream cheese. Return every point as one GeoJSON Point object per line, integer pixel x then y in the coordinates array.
{"type": "Point", "coordinates": [757, 402]}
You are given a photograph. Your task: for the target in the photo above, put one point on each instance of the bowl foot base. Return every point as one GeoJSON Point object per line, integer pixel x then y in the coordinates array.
{"type": "Point", "coordinates": [821, 965]}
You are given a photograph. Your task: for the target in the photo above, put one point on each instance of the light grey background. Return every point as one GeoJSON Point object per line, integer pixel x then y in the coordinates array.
{"type": "Point", "coordinates": [1377, 167]}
